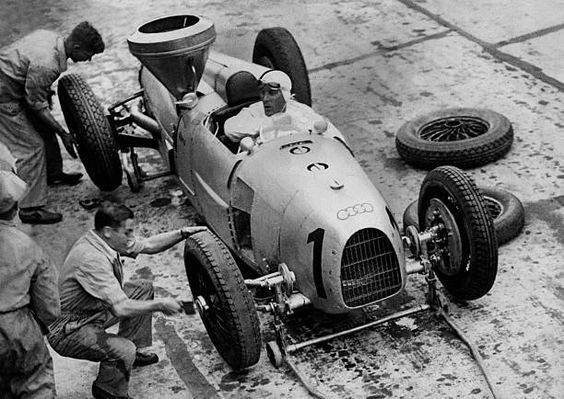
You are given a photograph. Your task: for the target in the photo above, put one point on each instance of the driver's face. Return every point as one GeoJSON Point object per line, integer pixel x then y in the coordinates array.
{"type": "Point", "coordinates": [273, 100]}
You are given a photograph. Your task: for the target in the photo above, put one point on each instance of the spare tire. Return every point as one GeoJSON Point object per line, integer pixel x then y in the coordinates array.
{"type": "Point", "coordinates": [505, 209]}
{"type": "Point", "coordinates": [91, 130]}
{"type": "Point", "coordinates": [276, 48]}
{"type": "Point", "coordinates": [462, 137]}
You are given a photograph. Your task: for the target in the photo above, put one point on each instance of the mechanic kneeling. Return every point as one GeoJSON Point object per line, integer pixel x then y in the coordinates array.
{"type": "Point", "coordinates": [93, 297]}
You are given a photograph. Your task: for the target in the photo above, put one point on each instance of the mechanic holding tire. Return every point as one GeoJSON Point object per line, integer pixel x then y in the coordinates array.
{"type": "Point", "coordinates": [28, 68]}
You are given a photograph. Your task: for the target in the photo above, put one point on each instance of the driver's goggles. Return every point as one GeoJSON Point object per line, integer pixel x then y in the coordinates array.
{"type": "Point", "coordinates": [270, 86]}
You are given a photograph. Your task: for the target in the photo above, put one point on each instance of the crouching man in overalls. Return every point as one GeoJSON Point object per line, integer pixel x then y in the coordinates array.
{"type": "Point", "coordinates": [93, 297]}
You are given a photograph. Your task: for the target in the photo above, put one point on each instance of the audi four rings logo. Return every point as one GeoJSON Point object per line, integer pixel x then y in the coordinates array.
{"type": "Point", "coordinates": [354, 210]}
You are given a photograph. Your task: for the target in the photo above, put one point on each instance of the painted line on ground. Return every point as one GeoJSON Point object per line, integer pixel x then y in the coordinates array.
{"type": "Point", "coordinates": [489, 48]}
{"type": "Point", "coordinates": [530, 35]}
{"type": "Point", "coordinates": [381, 50]}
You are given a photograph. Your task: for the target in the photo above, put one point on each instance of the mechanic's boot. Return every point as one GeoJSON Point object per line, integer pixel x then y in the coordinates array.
{"type": "Point", "coordinates": [100, 393]}
{"type": "Point", "coordinates": [145, 359]}
{"type": "Point", "coordinates": [39, 215]}
{"type": "Point", "coordinates": [66, 179]}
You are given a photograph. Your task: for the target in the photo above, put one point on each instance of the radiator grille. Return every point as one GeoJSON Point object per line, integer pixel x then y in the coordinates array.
{"type": "Point", "coordinates": [369, 268]}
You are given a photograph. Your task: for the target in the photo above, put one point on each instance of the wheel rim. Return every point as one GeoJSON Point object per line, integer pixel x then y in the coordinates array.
{"type": "Point", "coordinates": [454, 128]}
{"type": "Point", "coordinates": [495, 208]}
{"type": "Point", "coordinates": [446, 246]}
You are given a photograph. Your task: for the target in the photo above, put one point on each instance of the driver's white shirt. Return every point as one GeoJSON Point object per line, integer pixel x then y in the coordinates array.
{"type": "Point", "coordinates": [252, 119]}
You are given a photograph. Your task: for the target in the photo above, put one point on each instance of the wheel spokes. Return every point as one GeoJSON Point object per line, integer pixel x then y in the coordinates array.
{"type": "Point", "coordinates": [453, 129]}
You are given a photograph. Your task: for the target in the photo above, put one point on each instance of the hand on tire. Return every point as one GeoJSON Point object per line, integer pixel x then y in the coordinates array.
{"type": "Point", "coordinates": [189, 230]}
{"type": "Point", "coordinates": [69, 143]}
{"type": "Point", "coordinates": [170, 306]}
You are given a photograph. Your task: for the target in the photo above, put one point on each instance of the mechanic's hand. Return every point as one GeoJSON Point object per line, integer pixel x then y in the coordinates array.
{"type": "Point", "coordinates": [187, 231]}
{"type": "Point", "coordinates": [69, 143]}
{"type": "Point", "coordinates": [170, 306]}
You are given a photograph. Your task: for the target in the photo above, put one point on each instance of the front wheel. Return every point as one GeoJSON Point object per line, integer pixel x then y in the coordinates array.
{"type": "Point", "coordinates": [464, 248]}
{"type": "Point", "coordinates": [505, 209]}
{"type": "Point", "coordinates": [225, 304]}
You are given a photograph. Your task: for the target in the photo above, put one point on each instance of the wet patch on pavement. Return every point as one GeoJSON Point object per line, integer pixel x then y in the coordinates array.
{"type": "Point", "coordinates": [182, 361]}
{"type": "Point", "coordinates": [548, 211]}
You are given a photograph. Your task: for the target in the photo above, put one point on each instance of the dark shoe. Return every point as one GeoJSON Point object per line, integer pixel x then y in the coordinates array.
{"type": "Point", "coordinates": [67, 179]}
{"type": "Point", "coordinates": [144, 359]}
{"type": "Point", "coordinates": [100, 393]}
{"type": "Point", "coordinates": [39, 216]}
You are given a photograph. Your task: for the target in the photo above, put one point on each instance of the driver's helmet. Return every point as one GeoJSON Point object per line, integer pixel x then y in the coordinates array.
{"type": "Point", "coordinates": [277, 80]}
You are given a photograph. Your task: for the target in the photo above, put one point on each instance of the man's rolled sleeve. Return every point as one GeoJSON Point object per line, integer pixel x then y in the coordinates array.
{"type": "Point", "coordinates": [99, 281]}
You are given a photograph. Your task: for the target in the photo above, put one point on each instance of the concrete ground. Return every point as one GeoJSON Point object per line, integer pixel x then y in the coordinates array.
{"type": "Point", "coordinates": [373, 66]}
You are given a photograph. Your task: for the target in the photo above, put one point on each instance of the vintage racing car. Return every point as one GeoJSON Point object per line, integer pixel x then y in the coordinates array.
{"type": "Point", "coordinates": [297, 210]}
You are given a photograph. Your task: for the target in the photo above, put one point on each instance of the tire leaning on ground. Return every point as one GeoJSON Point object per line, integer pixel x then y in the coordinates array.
{"type": "Point", "coordinates": [276, 48]}
{"type": "Point", "coordinates": [229, 316]}
{"type": "Point", "coordinates": [466, 244]}
{"type": "Point", "coordinates": [89, 126]}
{"type": "Point", "coordinates": [461, 137]}
{"type": "Point", "coordinates": [505, 209]}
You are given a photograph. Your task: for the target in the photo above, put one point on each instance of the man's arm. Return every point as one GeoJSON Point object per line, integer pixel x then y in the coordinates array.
{"type": "Point", "coordinates": [44, 293]}
{"type": "Point", "coordinates": [38, 81]}
{"type": "Point", "coordinates": [242, 125]}
{"type": "Point", "coordinates": [45, 116]}
{"type": "Point", "coordinates": [164, 241]}
{"type": "Point", "coordinates": [132, 307]}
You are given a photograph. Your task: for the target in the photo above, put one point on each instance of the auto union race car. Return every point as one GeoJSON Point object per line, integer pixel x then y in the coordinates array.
{"type": "Point", "coordinates": [296, 210]}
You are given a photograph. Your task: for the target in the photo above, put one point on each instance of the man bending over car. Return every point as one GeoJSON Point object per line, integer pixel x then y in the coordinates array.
{"type": "Point", "coordinates": [93, 297]}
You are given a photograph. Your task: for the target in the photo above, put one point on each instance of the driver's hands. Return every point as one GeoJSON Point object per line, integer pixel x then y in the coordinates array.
{"type": "Point", "coordinates": [69, 143]}
{"type": "Point", "coordinates": [187, 231]}
{"type": "Point", "coordinates": [170, 306]}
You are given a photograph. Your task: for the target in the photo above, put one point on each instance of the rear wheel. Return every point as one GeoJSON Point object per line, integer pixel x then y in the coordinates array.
{"type": "Point", "coordinates": [87, 123]}
{"type": "Point", "coordinates": [276, 48]}
{"type": "Point", "coordinates": [225, 304]}
{"type": "Point", "coordinates": [464, 250]}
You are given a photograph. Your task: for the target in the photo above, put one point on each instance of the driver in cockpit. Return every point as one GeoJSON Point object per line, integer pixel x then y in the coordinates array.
{"type": "Point", "coordinates": [277, 114]}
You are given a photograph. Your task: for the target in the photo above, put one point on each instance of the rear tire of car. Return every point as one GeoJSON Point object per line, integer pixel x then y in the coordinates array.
{"type": "Point", "coordinates": [470, 272]}
{"type": "Point", "coordinates": [461, 137]}
{"type": "Point", "coordinates": [230, 319]}
{"type": "Point", "coordinates": [90, 128]}
{"type": "Point", "coordinates": [505, 209]}
{"type": "Point", "coordinates": [276, 48]}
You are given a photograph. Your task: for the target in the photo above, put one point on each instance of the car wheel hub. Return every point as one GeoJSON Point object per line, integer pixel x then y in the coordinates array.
{"type": "Point", "coordinates": [446, 246]}
{"type": "Point", "coordinates": [453, 129]}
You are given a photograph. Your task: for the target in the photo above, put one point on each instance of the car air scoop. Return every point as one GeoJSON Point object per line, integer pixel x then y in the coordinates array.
{"type": "Point", "coordinates": [175, 49]}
